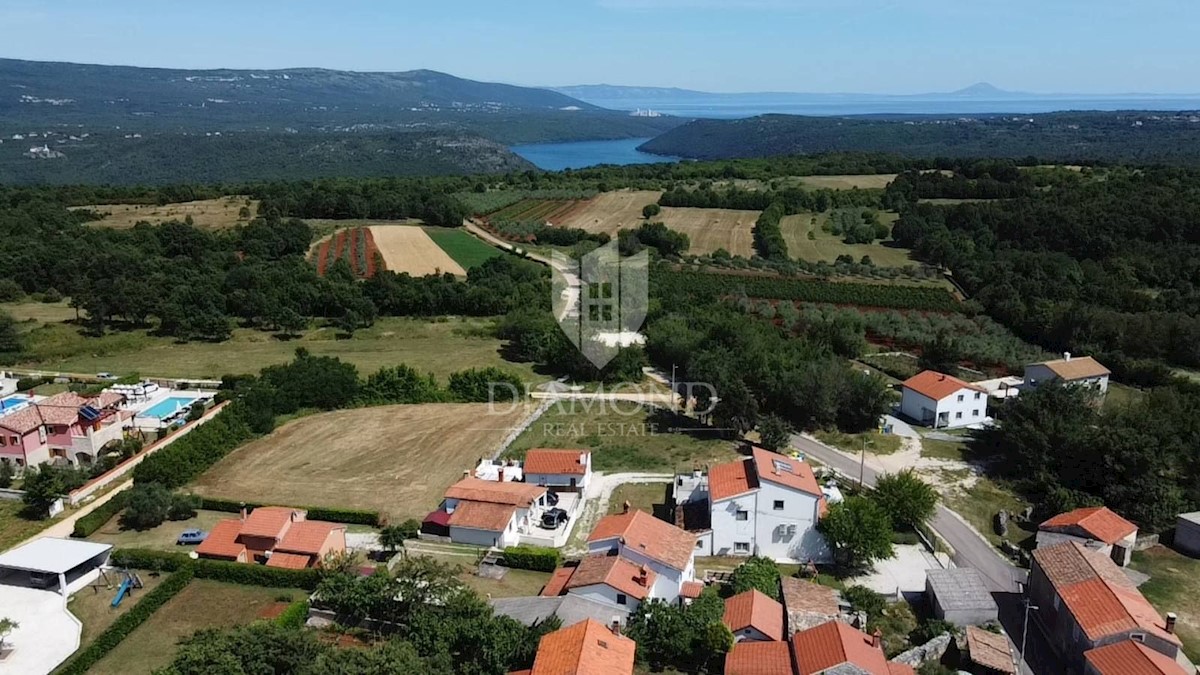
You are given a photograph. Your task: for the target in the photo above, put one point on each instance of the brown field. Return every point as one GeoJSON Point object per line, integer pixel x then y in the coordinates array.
{"type": "Point", "coordinates": [208, 214]}
{"type": "Point", "coordinates": [711, 229]}
{"type": "Point", "coordinates": [396, 459]}
{"type": "Point", "coordinates": [875, 181]}
{"type": "Point", "coordinates": [611, 211]}
{"type": "Point", "coordinates": [409, 249]}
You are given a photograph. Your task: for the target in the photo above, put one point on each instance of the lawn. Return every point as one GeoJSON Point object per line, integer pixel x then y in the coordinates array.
{"type": "Point", "coordinates": [396, 459]}
{"type": "Point", "coordinates": [876, 443]}
{"type": "Point", "coordinates": [861, 182]}
{"type": "Point", "coordinates": [203, 604]}
{"type": "Point", "coordinates": [39, 312]}
{"type": "Point", "coordinates": [1174, 586]}
{"type": "Point", "coordinates": [465, 249]}
{"type": "Point", "coordinates": [826, 246]}
{"type": "Point", "coordinates": [13, 528]}
{"type": "Point", "coordinates": [980, 503]}
{"type": "Point", "coordinates": [942, 449]}
{"type": "Point", "coordinates": [1120, 395]}
{"type": "Point", "coordinates": [94, 608]}
{"type": "Point", "coordinates": [625, 438]}
{"type": "Point", "coordinates": [437, 346]}
{"type": "Point", "coordinates": [515, 584]}
{"type": "Point", "coordinates": [649, 497]}
{"type": "Point", "coordinates": [160, 538]}
{"type": "Point", "coordinates": [207, 214]}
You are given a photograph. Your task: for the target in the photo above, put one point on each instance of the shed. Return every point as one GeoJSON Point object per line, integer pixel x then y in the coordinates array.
{"type": "Point", "coordinates": [960, 596]}
{"type": "Point", "coordinates": [1187, 533]}
{"type": "Point", "coordinates": [68, 559]}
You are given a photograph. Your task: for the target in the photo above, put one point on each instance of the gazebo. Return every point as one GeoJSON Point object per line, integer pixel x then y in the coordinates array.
{"type": "Point", "coordinates": [68, 559]}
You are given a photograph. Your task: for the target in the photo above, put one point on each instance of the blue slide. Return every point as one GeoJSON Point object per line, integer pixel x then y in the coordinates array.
{"type": "Point", "coordinates": [122, 591]}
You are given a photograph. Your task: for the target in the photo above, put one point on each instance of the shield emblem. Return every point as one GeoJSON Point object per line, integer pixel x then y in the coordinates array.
{"type": "Point", "coordinates": [600, 300]}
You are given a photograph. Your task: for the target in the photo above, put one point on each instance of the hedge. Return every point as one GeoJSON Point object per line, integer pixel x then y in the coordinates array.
{"type": "Point", "coordinates": [537, 558]}
{"type": "Point", "coordinates": [128, 622]}
{"type": "Point", "coordinates": [218, 570]}
{"type": "Point", "coordinates": [294, 616]}
{"type": "Point", "coordinates": [93, 521]}
{"type": "Point", "coordinates": [352, 516]}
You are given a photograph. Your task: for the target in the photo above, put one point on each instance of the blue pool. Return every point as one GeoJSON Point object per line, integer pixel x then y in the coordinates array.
{"type": "Point", "coordinates": [169, 406]}
{"type": "Point", "coordinates": [13, 403]}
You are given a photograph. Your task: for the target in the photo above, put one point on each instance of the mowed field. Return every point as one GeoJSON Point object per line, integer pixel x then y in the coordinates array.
{"type": "Point", "coordinates": [611, 211]}
{"type": "Point", "coordinates": [862, 182]}
{"type": "Point", "coordinates": [409, 249]}
{"type": "Point", "coordinates": [396, 459]}
{"type": "Point", "coordinates": [210, 214]}
{"type": "Point", "coordinates": [711, 229]}
{"type": "Point", "coordinates": [827, 247]}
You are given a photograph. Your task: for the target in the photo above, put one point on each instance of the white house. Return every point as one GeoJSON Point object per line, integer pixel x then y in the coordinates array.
{"type": "Point", "coordinates": [754, 617]}
{"type": "Point", "coordinates": [1097, 527]}
{"type": "Point", "coordinates": [766, 504]}
{"type": "Point", "coordinates": [1084, 371]}
{"type": "Point", "coordinates": [942, 401]}
{"type": "Point", "coordinates": [489, 513]}
{"type": "Point", "coordinates": [613, 580]}
{"type": "Point", "coordinates": [569, 470]}
{"type": "Point", "coordinates": [643, 540]}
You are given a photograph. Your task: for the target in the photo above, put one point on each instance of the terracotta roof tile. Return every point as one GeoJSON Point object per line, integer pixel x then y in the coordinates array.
{"type": "Point", "coordinates": [540, 460]}
{"type": "Point", "coordinates": [558, 582]}
{"type": "Point", "coordinates": [586, 648]}
{"type": "Point", "coordinates": [731, 479]}
{"type": "Point", "coordinates": [22, 421]}
{"type": "Point", "coordinates": [787, 471]}
{"type": "Point", "coordinates": [613, 571]}
{"type": "Point", "coordinates": [989, 650]}
{"type": "Point", "coordinates": [759, 658]}
{"type": "Point", "coordinates": [691, 589]}
{"type": "Point", "coordinates": [753, 609]}
{"type": "Point", "coordinates": [222, 540]}
{"type": "Point", "coordinates": [1096, 522]}
{"type": "Point", "coordinates": [482, 515]}
{"type": "Point", "coordinates": [1131, 658]}
{"type": "Point", "coordinates": [495, 492]}
{"type": "Point", "coordinates": [291, 561]}
{"type": "Point", "coordinates": [833, 643]}
{"type": "Point", "coordinates": [648, 536]}
{"type": "Point", "coordinates": [805, 596]}
{"type": "Point", "coordinates": [269, 521]}
{"type": "Point", "coordinates": [938, 386]}
{"type": "Point", "coordinates": [1077, 368]}
{"type": "Point", "coordinates": [307, 537]}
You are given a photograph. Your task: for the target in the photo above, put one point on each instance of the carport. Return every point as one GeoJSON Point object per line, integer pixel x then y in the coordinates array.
{"type": "Point", "coordinates": [74, 562]}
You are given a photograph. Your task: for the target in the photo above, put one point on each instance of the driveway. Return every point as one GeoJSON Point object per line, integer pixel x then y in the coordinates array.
{"type": "Point", "coordinates": [48, 633]}
{"type": "Point", "coordinates": [596, 499]}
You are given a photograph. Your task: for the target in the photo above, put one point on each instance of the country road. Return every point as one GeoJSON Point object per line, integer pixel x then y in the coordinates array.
{"type": "Point", "coordinates": [569, 274]}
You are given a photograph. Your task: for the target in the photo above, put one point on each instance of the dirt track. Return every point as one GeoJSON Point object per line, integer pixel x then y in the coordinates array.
{"type": "Point", "coordinates": [409, 249]}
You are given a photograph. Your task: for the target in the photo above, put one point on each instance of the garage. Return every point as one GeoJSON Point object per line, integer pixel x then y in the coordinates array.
{"type": "Point", "coordinates": [63, 565]}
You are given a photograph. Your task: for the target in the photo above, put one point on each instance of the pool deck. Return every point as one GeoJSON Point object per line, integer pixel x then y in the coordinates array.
{"type": "Point", "coordinates": [148, 422]}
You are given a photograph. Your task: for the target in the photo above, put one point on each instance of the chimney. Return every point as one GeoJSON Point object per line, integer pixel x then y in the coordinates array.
{"type": "Point", "coordinates": [643, 575]}
{"type": "Point", "coordinates": [615, 626]}
{"type": "Point", "coordinates": [500, 475]}
{"type": "Point", "coordinates": [1171, 619]}
{"type": "Point", "coordinates": [243, 511]}
{"type": "Point", "coordinates": [877, 639]}
{"type": "Point", "coordinates": [626, 506]}
{"type": "Point", "coordinates": [466, 473]}
{"type": "Point", "coordinates": [583, 459]}
{"type": "Point", "coordinates": [1066, 356]}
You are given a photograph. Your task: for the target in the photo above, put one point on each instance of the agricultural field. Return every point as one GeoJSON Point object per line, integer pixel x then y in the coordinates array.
{"type": "Point", "coordinates": [468, 251]}
{"type": "Point", "coordinates": [612, 211]}
{"type": "Point", "coordinates": [207, 214]}
{"type": "Point", "coordinates": [825, 246]}
{"type": "Point", "coordinates": [409, 249]}
{"type": "Point", "coordinates": [36, 313]}
{"type": "Point", "coordinates": [553, 211]}
{"type": "Point", "coordinates": [862, 182]}
{"type": "Point", "coordinates": [395, 459]}
{"type": "Point", "coordinates": [355, 245]}
{"type": "Point", "coordinates": [203, 604]}
{"type": "Point", "coordinates": [439, 346]}
{"type": "Point", "coordinates": [711, 229]}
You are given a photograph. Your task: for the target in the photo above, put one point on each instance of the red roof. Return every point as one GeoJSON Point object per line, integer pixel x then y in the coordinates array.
{"type": "Point", "coordinates": [540, 460]}
{"type": "Point", "coordinates": [495, 492]}
{"type": "Point", "coordinates": [482, 516]}
{"type": "Point", "coordinates": [834, 643]}
{"type": "Point", "coordinates": [786, 471]}
{"type": "Point", "coordinates": [1131, 658]}
{"type": "Point", "coordinates": [60, 410]}
{"type": "Point", "coordinates": [691, 589]}
{"type": "Point", "coordinates": [291, 561]}
{"type": "Point", "coordinates": [759, 658]}
{"type": "Point", "coordinates": [731, 479]}
{"type": "Point", "coordinates": [558, 582]}
{"type": "Point", "coordinates": [1095, 522]}
{"type": "Point", "coordinates": [585, 648]}
{"type": "Point", "coordinates": [648, 536]}
{"type": "Point", "coordinates": [438, 517]}
{"type": "Point", "coordinates": [269, 521]}
{"type": "Point", "coordinates": [615, 572]}
{"type": "Point", "coordinates": [221, 541]}
{"type": "Point", "coordinates": [938, 386]}
{"type": "Point", "coordinates": [307, 537]}
{"type": "Point", "coordinates": [23, 421]}
{"type": "Point", "coordinates": [753, 609]}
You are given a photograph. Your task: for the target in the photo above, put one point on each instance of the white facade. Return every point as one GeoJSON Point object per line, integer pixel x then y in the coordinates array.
{"type": "Point", "coordinates": [470, 535]}
{"type": "Point", "coordinates": [566, 481]}
{"type": "Point", "coordinates": [773, 521]}
{"type": "Point", "coordinates": [668, 580]}
{"type": "Point", "coordinates": [608, 595]}
{"type": "Point", "coordinates": [961, 408]}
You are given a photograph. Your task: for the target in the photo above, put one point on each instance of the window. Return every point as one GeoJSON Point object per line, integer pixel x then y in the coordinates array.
{"type": "Point", "coordinates": [3, 441]}
{"type": "Point", "coordinates": [742, 515]}
{"type": "Point", "coordinates": [741, 547]}
{"type": "Point", "coordinates": [778, 506]}
{"type": "Point", "coordinates": [960, 398]}
{"type": "Point", "coordinates": [975, 413]}
{"type": "Point", "coordinates": [977, 395]}
{"type": "Point", "coordinates": [16, 440]}
{"type": "Point", "coordinates": [699, 543]}
{"type": "Point", "coordinates": [958, 415]}
{"type": "Point", "coordinates": [621, 599]}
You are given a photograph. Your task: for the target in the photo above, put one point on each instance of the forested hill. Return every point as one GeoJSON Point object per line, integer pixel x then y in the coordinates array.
{"type": "Point", "coordinates": [1148, 137]}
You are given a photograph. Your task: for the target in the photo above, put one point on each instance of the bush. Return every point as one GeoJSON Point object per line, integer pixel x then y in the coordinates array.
{"type": "Point", "coordinates": [150, 504]}
{"type": "Point", "coordinates": [27, 383]}
{"type": "Point", "coordinates": [146, 559]}
{"type": "Point", "coordinates": [127, 623]}
{"type": "Point", "coordinates": [863, 599]}
{"type": "Point", "coordinates": [536, 558]}
{"type": "Point", "coordinates": [185, 459]}
{"type": "Point", "coordinates": [52, 295]}
{"type": "Point", "coordinates": [757, 573]}
{"type": "Point", "coordinates": [351, 516]}
{"type": "Point", "coordinates": [217, 570]}
{"type": "Point", "coordinates": [484, 385]}
{"type": "Point", "coordinates": [93, 521]}
{"type": "Point", "coordinates": [6, 474]}
{"type": "Point", "coordinates": [294, 616]}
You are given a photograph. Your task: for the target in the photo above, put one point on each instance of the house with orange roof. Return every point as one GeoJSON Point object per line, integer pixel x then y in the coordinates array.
{"type": "Point", "coordinates": [1129, 657]}
{"type": "Point", "coordinates": [610, 579]}
{"type": "Point", "coordinates": [67, 427]}
{"type": "Point", "coordinates": [832, 648]}
{"type": "Point", "coordinates": [564, 470]}
{"type": "Point", "coordinates": [487, 513]}
{"type": "Point", "coordinates": [753, 616]}
{"type": "Point", "coordinates": [666, 551]}
{"type": "Point", "coordinates": [275, 535]}
{"type": "Point", "coordinates": [1097, 527]}
{"type": "Point", "coordinates": [942, 401]}
{"type": "Point", "coordinates": [766, 504]}
{"type": "Point", "coordinates": [1084, 601]}
{"type": "Point", "coordinates": [1081, 371]}
{"type": "Point", "coordinates": [585, 648]}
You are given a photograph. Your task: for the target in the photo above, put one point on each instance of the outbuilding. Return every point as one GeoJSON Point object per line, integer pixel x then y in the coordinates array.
{"type": "Point", "coordinates": [1187, 533]}
{"type": "Point", "coordinates": [960, 596]}
{"type": "Point", "coordinates": [64, 565]}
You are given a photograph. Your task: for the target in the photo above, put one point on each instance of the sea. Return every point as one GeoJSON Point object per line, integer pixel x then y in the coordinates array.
{"type": "Point", "coordinates": [582, 154]}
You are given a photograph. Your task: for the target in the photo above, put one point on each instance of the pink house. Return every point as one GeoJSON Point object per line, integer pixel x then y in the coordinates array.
{"type": "Point", "coordinates": [67, 425]}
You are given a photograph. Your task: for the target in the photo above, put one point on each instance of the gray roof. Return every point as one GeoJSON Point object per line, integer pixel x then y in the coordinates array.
{"type": "Point", "coordinates": [53, 555]}
{"type": "Point", "coordinates": [1193, 517]}
{"type": "Point", "coordinates": [960, 588]}
{"type": "Point", "coordinates": [570, 609]}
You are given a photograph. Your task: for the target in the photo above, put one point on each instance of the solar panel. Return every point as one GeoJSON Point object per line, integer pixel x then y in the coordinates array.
{"type": "Point", "coordinates": [89, 413]}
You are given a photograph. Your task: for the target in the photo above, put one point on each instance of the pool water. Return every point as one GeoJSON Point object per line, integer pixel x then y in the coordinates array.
{"type": "Point", "coordinates": [168, 406]}
{"type": "Point", "coordinates": [14, 402]}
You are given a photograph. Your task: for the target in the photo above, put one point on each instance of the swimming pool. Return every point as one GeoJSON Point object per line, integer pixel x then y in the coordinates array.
{"type": "Point", "coordinates": [13, 403]}
{"type": "Point", "coordinates": [169, 406]}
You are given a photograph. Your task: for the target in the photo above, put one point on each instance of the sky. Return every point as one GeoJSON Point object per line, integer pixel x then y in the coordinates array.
{"type": "Point", "coordinates": [868, 46]}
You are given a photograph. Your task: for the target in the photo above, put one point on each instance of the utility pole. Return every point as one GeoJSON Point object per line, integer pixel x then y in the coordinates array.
{"type": "Point", "coordinates": [673, 405]}
{"type": "Point", "coordinates": [1025, 630]}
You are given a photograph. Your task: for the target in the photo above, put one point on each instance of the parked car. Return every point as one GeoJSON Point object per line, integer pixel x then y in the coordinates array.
{"type": "Point", "coordinates": [552, 518]}
{"type": "Point", "coordinates": [191, 537]}
{"type": "Point", "coordinates": [43, 580]}
{"type": "Point", "coordinates": [106, 376]}
{"type": "Point", "coordinates": [551, 497]}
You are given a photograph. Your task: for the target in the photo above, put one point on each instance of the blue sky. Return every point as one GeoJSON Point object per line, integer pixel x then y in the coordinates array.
{"type": "Point", "coordinates": [884, 46]}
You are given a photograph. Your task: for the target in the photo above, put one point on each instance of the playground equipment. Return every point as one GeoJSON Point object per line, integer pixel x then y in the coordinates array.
{"type": "Point", "coordinates": [129, 581]}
